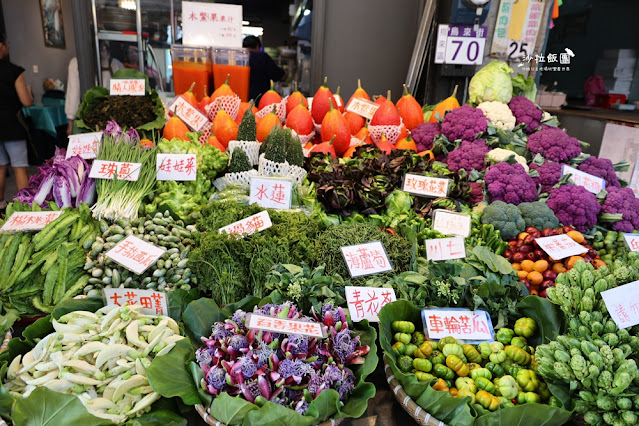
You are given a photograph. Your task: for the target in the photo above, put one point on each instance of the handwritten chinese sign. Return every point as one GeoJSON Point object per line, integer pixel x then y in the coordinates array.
{"type": "Point", "coordinates": [132, 87]}
{"type": "Point", "coordinates": [425, 185]}
{"type": "Point", "coordinates": [445, 248]}
{"type": "Point", "coordinates": [271, 193]}
{"type": "Point", "coordinates": [191, 116]}
{"type": "Point", "coordinates": [632, 241]}
{"type": "Point", "coordinates": [366, 259]}
{"type": "Point", "coordinates": [29, 221]}
{"type": "Point", "coordinates": [257, 222]}
{"type": "Point", "coordinates": [363, 107]}
{"type": "Point", "coordinates": [135, 254]}
{"type": "Point", "coordinates": [85, 145]}
{"type": "Point", "coordinates": [178, 167]}
{"type": "Point", "coordinates": [212, 24]}
{"type": "Point", "coordinates": [460, 44]}
{"type": "Point", "coordinates": [366, 302]}
{"type": "Point", "coordinates": [153, 302]}
{"type": "Point", "coordinates": [623, 304]}
{"type": "Point", "coordinates": [460, 323]}
{"type": "Point", "coordinates": [287, 326]}
{"type": "Point", "coordinates": [114, 169]}
{"type": "Point", "coordinates": [516, 28]}
{"type": "Point", "coordinates": [592, 183]}
{"type": "Point", "coordinates": [560, 246]}
{"type": "Point", "coordinates": [451, 223]}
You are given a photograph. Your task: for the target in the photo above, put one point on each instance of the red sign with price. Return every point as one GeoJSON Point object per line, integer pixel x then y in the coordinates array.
{"type": "Point", "coordinates": [461, 324]}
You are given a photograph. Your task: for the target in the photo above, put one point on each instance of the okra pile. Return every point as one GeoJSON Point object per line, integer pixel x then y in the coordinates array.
{"type": "Point", "coordinates": [493, 375]}
{"type": "Point", "coordinates": [168, 273]}
{"type": "Point", "coordinates": [101, 357]}
{"type": "Point", "coordinates": [40, 270]}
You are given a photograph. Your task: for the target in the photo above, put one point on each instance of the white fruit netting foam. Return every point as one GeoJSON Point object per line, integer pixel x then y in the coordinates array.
{"type": "Point", "coordinates": [391, 131]}
{"type": "Point", "coordinates": [230, 178]}
{"type": "Point", "coordinates": [206, 133]}
{"type": "Point", "coordinates": [280, 111]}
{"type": "Point", "coordinates": [230, 104]}
{"type": "Point", "coordinates": [304, 139]}
{"type": "Point", "coordinates": [271, 168]}
{"type": "Point", "coordinates": [298, 173]}
{"type": "Point", "coordinates": [251, 148]}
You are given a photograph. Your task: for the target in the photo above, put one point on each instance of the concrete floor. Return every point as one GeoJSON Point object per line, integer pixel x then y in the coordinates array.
{"type": "Point", "coordinates": [10, 189]}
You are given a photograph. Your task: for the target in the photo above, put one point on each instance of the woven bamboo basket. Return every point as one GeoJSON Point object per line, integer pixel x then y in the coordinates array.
{"type": "Point", "coordinates": [210, 420]}
{"type": "Point", "coordinates": [415, 411]}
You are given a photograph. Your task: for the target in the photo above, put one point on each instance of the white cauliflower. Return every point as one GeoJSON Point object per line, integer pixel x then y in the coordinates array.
{"type": "Point", "coordinates": [499, 155]}
{"type": "Point", "coordinates": [499, 114]}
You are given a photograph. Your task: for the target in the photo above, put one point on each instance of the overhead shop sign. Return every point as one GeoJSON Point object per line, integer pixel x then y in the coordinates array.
{"type": "Point", "coordinates": [460, 44]}
{"type": "Point", "coordinates": [516, 28]}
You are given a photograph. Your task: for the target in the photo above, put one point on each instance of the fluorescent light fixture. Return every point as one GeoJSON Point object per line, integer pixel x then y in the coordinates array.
{"type": "Point", "coordinates": [254, 31]}
{"type": "Point", "coordinates": [245, 23]}
{"type": "Point", "coordinates": [307, 12]}
{"type": "Point", "coordinates": [127, 4]}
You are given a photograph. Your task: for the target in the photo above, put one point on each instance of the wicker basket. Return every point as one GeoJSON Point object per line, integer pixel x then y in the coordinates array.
{"type": "Point", "coordinates": [415, 411]}
{"type": "Point", "coordinates": [210, 420]}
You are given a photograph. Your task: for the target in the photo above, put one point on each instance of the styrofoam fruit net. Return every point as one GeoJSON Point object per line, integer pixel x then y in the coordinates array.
{"type": "Point", "coordinates": [298, 173]}
{"type": "Point", "coordinates": [280, 111]}
{"type": "Point", "coordinates": [271, 168]}
{"type": "Point", "coordinates": [304, 139]}
{"type": "Point", "coordinates": [318, 128]}
{"type": "Point", "coordinates": [230, 104]}
{"type": "Point", "coordinates": [355, 141]}
{"type": "Point", "coordinates": [391, 131]}
{"type": "Point", "coordinates": [251, 148]}
{"type": "Point", "coordinates": [206, 133]}
{"type": "Point", "coordinates": [231, 178]}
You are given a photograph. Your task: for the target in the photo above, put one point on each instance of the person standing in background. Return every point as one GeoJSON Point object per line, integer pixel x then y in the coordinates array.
{"type": "Point", "coordinates": [14, 94]}
{"type": "Point", "coordinates": [108, 63]}
{"type": "Point", "coordinates": [263, 68]}
{"type": "Point", "coordinates": [72, 101]}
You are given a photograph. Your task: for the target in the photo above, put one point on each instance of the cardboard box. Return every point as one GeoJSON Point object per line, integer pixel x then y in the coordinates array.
{"type": "Point", "coordinates": [550, 99]}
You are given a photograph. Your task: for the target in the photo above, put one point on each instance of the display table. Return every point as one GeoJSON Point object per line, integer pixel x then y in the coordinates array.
{"type": "Point", "coordinates": [46, 118]}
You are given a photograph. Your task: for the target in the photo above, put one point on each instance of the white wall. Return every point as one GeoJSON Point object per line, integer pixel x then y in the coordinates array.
{"type": "Point", "coordinates": [26, 42]}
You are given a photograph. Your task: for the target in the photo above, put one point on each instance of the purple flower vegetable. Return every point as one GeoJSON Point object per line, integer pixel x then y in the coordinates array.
{"type": "Point", "coordinates": [424, 135]}
{"type": "Point", "coordinates": [465, 123]}
{"type": "Point", "coordinates": [549, 174]}
{"type": "Point", "coordinates": [622, 201]}
{"type": "Point", "coordinates": [526, 112]}
{"type": "Point", "coordinates": [468, 156]}
{"type": "Point", "coordinates": [554, 144]}
{"type": "Point", "coordinates": [603, 168]}
{"type": "Point", "coordinates": [216, 378]}
{"type": "Point", "coordinates": [574, 206]}
{"type": "Point", "coordinates": [510, 183]}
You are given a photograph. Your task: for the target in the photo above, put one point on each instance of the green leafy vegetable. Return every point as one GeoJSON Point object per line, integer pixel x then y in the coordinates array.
{"type": "Point", "coordinates": [524, 86]}
{"type": "Point", "coordinates": [491, 83]}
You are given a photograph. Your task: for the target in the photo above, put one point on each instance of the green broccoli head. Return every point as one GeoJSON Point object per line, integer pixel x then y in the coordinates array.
{"type": "Point", "coordinates": [538, 214]}
{"type": "Point", "coordinates": [504, 217]}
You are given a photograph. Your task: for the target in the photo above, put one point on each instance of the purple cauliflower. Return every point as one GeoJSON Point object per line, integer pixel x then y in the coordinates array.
{"type": "Point", "coordinates": [622, 200]}
{"type": "Point", "coordinates": [469, 155]}
{"type": "Point", "coordinates": [510, 183]}
{"type": "Point", "coordinates": [549, 174]}
{"type": "Point", "coordinates": [465, 123]}
{"type": "Point", "coordinates": [424, 135]}
{"type": "Point", "coordinates": [603, 168]}
{"type": "Point", "coordinates": [554, 144]}
{"type": "Point", "coordinates": [574, 206]}
{"type": "Point", "coordinates": [525, 111]}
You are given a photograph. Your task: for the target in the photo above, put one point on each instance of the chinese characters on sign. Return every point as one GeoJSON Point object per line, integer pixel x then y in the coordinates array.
{"type": "Point", "coordinates": [257, 222]}
{"type": "Point", "coordinates": [500, 41]}
{"type": "Point", "coordinates": [460, 44]}
{"type": "Point", "coordinates": [85, 145]}
{"type": "Point", "coordinates": [212, 24]}
{"type": "Point", "coordinates": [135, 254]}
{"type": "Point", "coordinates": [366, 302]}
{"type": "Point", "coordinates": [451, 223]}
{"type": "Point", "coordinates": [425, 185]}
{"type": "Point", "coordinates": [460, 323]}
{"type": "Point", "coordinates": [366, 259]}
{"type": "Point", "coordinates": [280, 325]}
{"type": "Point", "coordinates": [153, 302]}
{"type": "Point", "coordinates": [132, 87]}
{"type": "Point", "coordinates": [560, 246]}
{"type": "Point", "coordinates": [592, 183]}
{"type": "Point", "coordinates": [445, 248]}
{"type": "Point", "coordinates": [271, 193]}
{"type": "Point", "coordinates": [111, 169]}
{"type": "Point", "coordinates": [192, 117]}
{"type": "Point", "coordinates": [29, 221]}
{"type": "Point", "coordinates": [632, 241]}
{"type": "Point", "coordinates": [623, 304]}
{"type": "Point", "coordinates": [178, 167]}
{"type": "Point", "coordinates": [362, 107]}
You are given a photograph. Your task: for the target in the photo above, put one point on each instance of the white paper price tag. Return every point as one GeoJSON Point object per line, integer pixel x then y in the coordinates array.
{"type": "Point", "coordinates": [623, 304]}
{"type": "Point", "coordinates": [460, 44]}
{"type": "Point", "coordinates": [425, 185]}
{"type": "Point", "coordinates": [560, 246]}
{"type": "Point", "coordinates": [177, 167]}
{"type": "Point", "coordinates": [366, 302]}
{"type": "Point", "coordinates": [29, 221]}
{"type": "Point", "coordinates": [592, 183]}
{"type": "Point", "coordinates": [366, 259]}
{"type": "Point", "coordinates": [451, 223]}
{"type": "Point", "coordinates": [212, 24]}
{"type": "Point", "coordinates": [286, 326]}
{"type": "Point", "coordinates": [363, 107]}
{"type": "Point", "coordinates": [461, 324]}
{"type": "Point", "coordinates": [109, 169]}
{"type": "Point", "coordinates": [85, 145]}
{"type": "Point", "coordinates": [152, 302]}
{"type": "Point", "coordinates": [272, 193]}
{"type": "Point", "coordinates": [256, 223]}
{"type": "Point", "coordinates": [191, 116]}
{"type": "Point", "coordinates": [132, 87]}
{"type": "Point", "coordinates": [135, 254]}
{"type": "Point", "coordinates": [445, 248]}
{"type": "Point", "coordinates": [632, 241]}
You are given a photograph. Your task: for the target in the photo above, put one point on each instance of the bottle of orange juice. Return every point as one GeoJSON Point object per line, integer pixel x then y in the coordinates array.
{"type": "Point", "coordinates": [233, 63]}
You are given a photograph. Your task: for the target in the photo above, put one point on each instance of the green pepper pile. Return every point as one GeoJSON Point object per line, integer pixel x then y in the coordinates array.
{"type": "Point", "coordinates": [493, 375]}
{"type": "Point", "coordinates": [609, 246]}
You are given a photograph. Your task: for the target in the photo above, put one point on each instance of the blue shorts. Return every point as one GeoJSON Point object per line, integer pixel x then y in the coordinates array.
{"type": "Point", "coordinates": [16, 151]}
